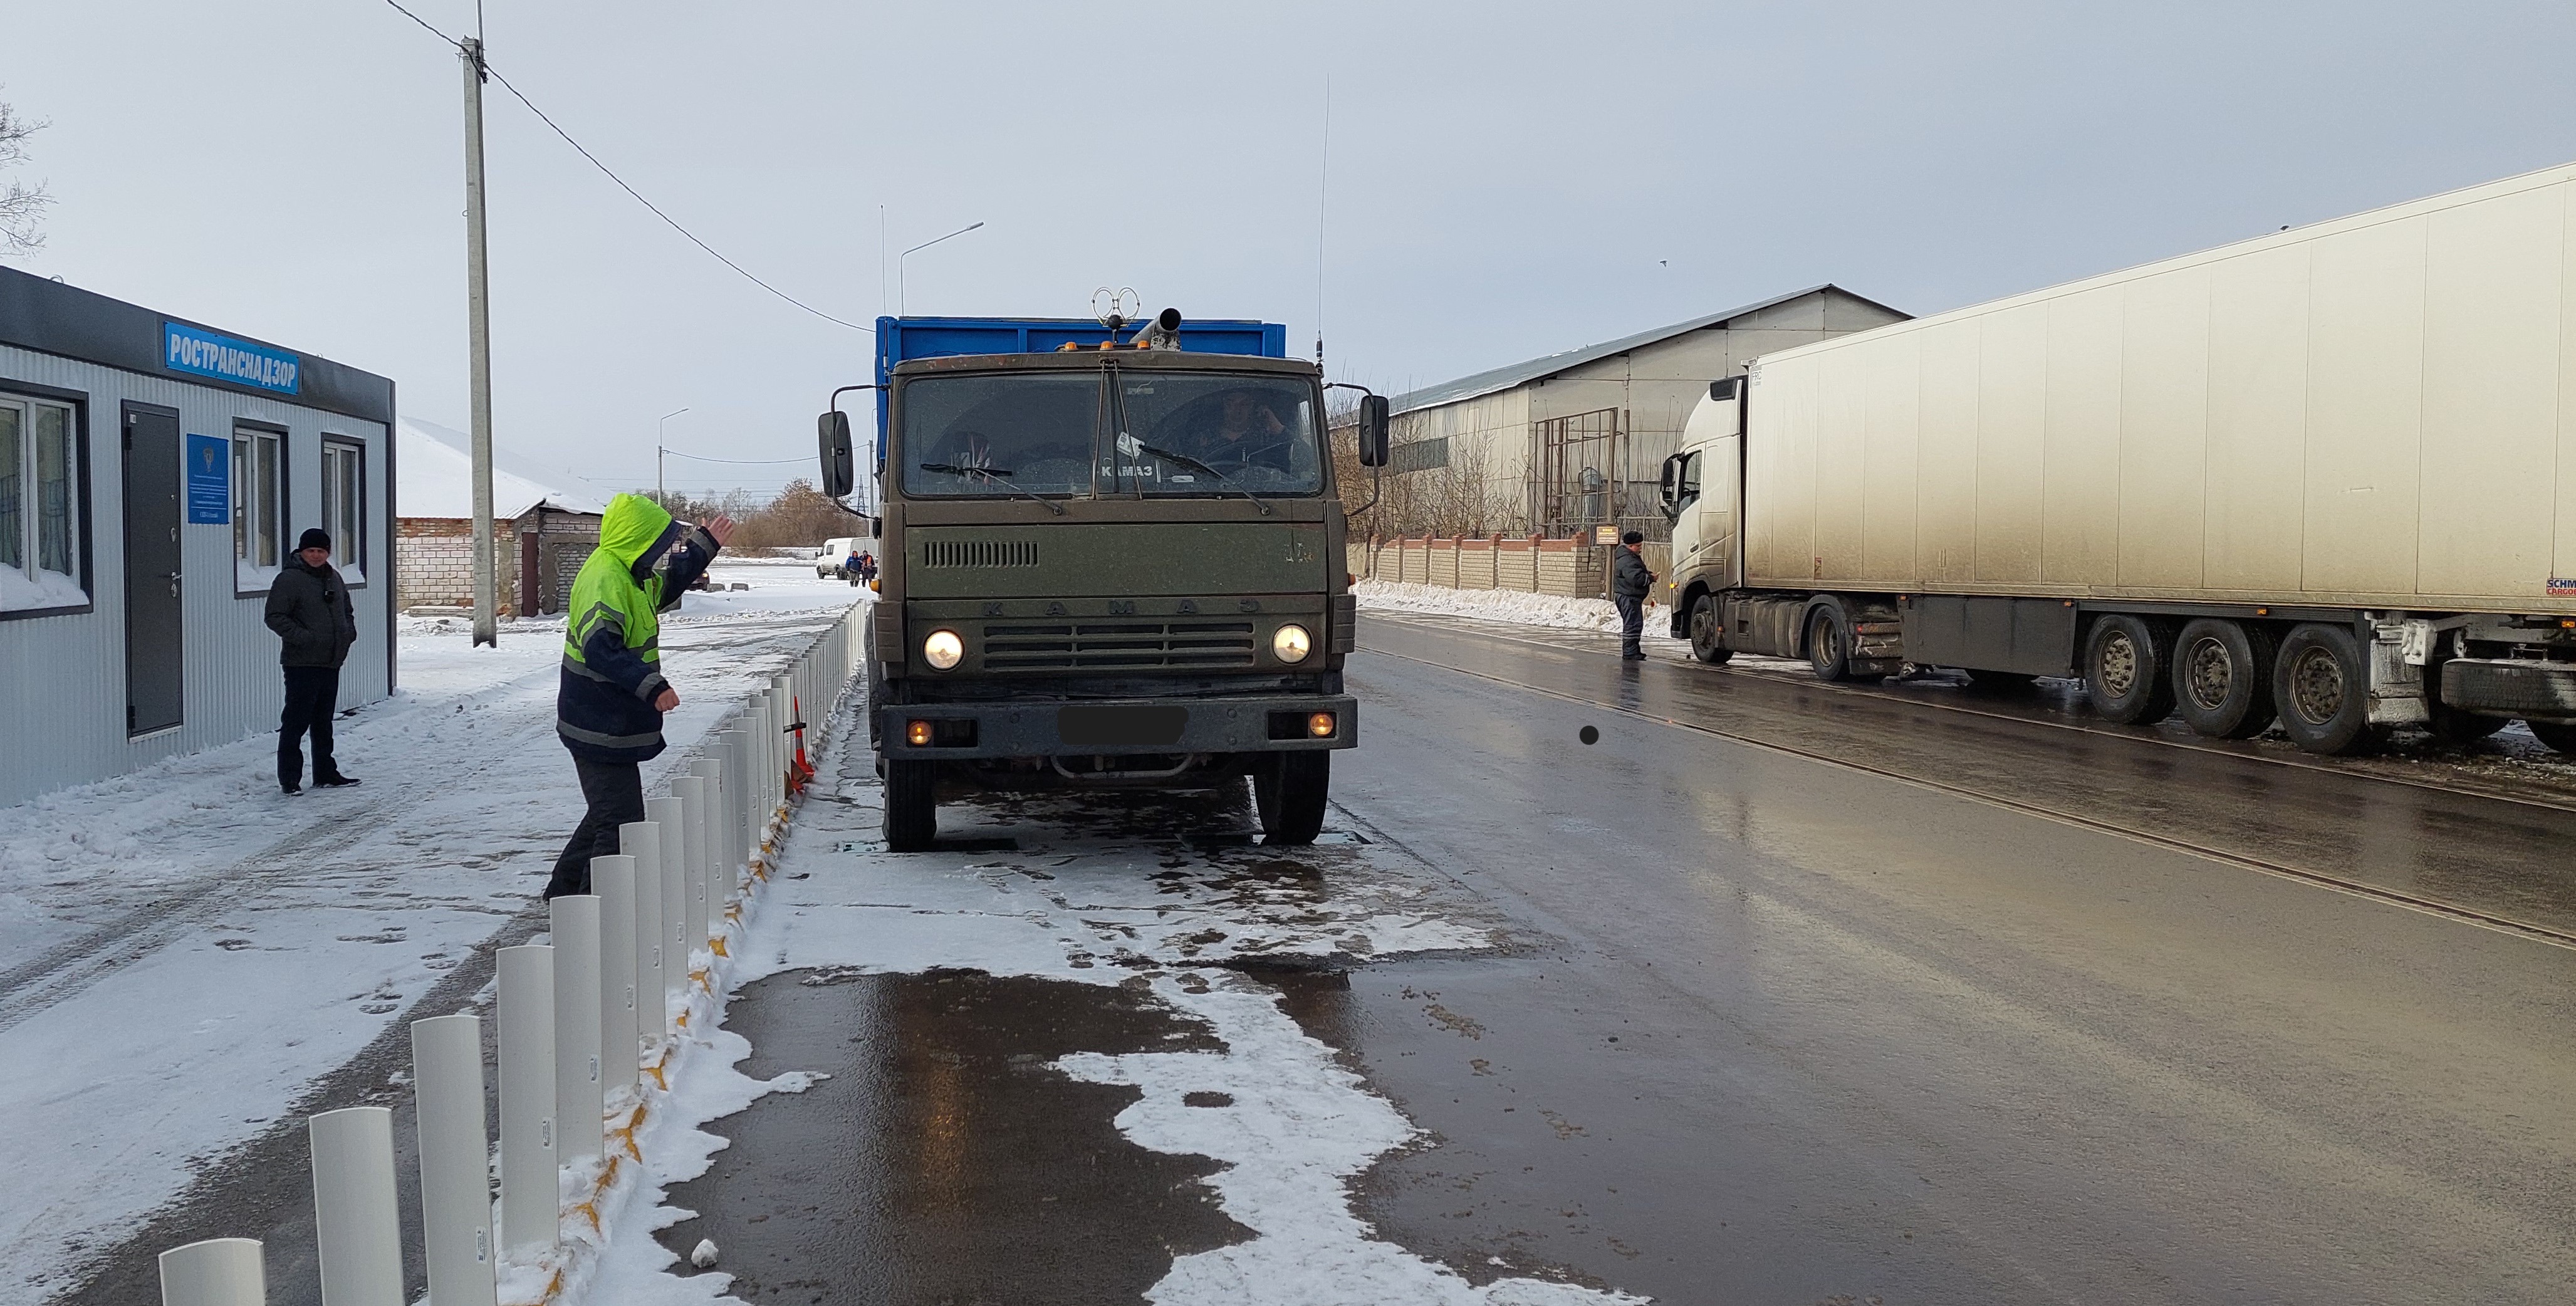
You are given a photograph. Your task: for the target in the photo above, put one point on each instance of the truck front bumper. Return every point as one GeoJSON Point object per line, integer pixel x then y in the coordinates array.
{"type": "Point", "coordinates": [1117, 727]}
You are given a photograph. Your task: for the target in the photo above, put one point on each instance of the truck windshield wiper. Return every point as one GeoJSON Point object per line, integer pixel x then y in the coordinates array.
{"type": "Point", "coordinates": [1000, 476]}
{"type": "Point", "coordinates": [1187, 461]}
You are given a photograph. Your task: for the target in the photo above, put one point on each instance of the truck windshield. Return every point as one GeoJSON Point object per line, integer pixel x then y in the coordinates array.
{"type": "Point", "coordinates": [1176, 434]}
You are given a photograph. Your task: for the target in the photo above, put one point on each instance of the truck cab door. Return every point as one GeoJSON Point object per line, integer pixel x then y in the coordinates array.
{"type": "Point", "coordinates": [1708, 482]}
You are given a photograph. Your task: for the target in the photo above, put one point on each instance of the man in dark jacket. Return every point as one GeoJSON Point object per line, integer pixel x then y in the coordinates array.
{"type": "Point", "coordinates": [611, 696]}
{"type": "Point", "coordinates": [308, 607]}
{"type": "Point", "coordinates": [1629, 584]}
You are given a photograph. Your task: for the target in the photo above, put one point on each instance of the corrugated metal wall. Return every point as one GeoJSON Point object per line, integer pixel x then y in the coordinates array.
{"type": "Point", "coordinates": [62, 679]}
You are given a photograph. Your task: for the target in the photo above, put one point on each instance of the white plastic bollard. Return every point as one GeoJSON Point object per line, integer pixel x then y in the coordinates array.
{"type": "Point", "coordinates": [531, 1196]}
{"type": "Point", "coordinates": [216, 1272]}
{"type": "Point", "coordinates": [613, 879]}
{"type": "Point", "coordinates": [455, 1160]}
{"type": "Point", "coordinates": [579, 1084]}
{"type": "Point", "coordinates": [692, 790]}
{"type": "Point", "coordinates": [672, 816]}
{"type": "Point", "coordinates": [738, 786]}
{"type": "Point", "coordinates": [357, 1229]}
{"type": "Point", "coordinates": [642, 840]}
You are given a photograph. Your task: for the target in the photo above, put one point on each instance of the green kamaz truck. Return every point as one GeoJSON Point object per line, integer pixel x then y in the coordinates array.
{"type": "Point", "coordinates": [1107, 562]}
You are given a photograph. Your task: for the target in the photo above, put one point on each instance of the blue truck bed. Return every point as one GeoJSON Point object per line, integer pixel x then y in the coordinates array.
{"type": "Point", "coordinates": [902, 339]}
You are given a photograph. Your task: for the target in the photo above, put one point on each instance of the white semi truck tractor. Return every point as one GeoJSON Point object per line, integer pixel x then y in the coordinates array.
{"type": "Point", "coordinates": [2325, 477]}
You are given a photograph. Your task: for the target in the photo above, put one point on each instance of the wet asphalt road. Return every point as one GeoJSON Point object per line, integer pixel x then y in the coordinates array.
{"type": "Point", "coordinates": [1804, 996]}
{"type": "Point", "coordinates": [1788, 1031]}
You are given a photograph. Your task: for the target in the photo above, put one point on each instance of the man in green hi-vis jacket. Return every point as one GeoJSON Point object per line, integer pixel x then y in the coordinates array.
{"type": "Point", "coordinates": [611, 695]}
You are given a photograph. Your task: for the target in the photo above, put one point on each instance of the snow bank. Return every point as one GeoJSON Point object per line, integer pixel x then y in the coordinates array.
{"type": "Point", "coordinates": [1512, 606]}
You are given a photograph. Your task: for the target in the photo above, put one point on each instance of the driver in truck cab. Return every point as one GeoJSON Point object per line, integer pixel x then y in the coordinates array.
{"type": "Point", "coordinates": [1247, 434]}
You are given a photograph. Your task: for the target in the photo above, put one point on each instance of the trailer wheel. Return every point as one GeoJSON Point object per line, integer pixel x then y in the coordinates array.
{"type": "Point", "coordinates": [2124, 670]}
{"type": "Point", "coordinates": [2559, 735]}
{"type": "Point", "coordinates": [2321, 683]}
{"type": "Point", "coordinates": [2222, 678]}
{"type": "Point", "coordinates": [1829, 645]}
{"type": "Point", "coordinates": [911, 804]}
{"type": "Point", "coordinates": [1290, 790]}
{"type": "Point", "coordinates": [1705, 636]}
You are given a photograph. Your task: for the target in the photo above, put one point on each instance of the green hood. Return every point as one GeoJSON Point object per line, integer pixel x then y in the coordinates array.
{"type": "Point", "coordinates": [632, 528]}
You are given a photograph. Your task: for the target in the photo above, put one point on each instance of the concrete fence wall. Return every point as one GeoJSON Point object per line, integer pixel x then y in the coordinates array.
{"type": "Point", "coordinates": [1533, 564]}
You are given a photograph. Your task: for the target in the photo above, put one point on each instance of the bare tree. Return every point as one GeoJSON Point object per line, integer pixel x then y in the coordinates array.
{"type": "Point", "coordinates": [22, 207]}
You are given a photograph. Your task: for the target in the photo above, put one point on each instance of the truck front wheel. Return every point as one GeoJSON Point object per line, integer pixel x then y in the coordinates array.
{"type": "Point", "coordinates": [1708, 642]}
{"type": "Point", "coordinates": [911, 804]}
{"type": "Point", "coordinates": [1290, 789]}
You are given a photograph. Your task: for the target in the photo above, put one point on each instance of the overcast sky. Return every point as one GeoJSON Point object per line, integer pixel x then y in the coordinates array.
{"type": "Point", "coordinates": [1505, 180]}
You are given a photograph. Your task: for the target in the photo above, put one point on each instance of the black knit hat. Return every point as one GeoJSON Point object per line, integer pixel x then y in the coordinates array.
{"type": "Point", "coordinates": [1632, 537]}
{"type": "Point", "coordinates": [314, 537]}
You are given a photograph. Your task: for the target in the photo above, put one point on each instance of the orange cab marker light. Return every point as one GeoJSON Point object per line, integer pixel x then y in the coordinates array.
{"type": "Point", "coordinates": [917, 734]}
{"type": "Point", "coordinates": [1320, 725]}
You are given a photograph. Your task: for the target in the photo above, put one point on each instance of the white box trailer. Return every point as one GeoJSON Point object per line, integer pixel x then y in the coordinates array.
{"type": "Point", "coordinates": [2329, 472]}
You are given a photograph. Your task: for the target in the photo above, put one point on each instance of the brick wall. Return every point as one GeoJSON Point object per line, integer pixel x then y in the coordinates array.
{"type": "Point", "coordinates": [434, 563]}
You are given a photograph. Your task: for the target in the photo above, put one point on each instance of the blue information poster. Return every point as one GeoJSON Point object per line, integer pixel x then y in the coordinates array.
{"type": "Point", "coordinates": [210, 481]}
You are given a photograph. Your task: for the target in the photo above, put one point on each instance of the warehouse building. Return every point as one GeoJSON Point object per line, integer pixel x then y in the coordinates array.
{"type": "Point", "coordinates": [154, 473]}
{"type": "Point", "coordinates": [541, 534]}
{"type": "Point", "coordinates": [1575, 439]}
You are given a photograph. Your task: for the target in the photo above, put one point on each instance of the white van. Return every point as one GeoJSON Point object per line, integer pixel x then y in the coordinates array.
{"type": "Point", "coordinates": [831, 561]}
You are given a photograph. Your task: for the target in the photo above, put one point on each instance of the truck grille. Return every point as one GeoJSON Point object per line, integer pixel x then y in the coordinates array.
{"type": "Point", "coordinates": [1118, 644]}
{"type": "Point", "coordinates": [979, 553]}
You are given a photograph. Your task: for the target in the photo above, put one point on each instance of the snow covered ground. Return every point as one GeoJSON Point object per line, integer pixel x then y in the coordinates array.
{"type": "Point", "coordinates": [1511, 606]}
{"type": "Point", "coordinates": [184, 949]}
{"type": "Point", "coordinates": [1078, 904]}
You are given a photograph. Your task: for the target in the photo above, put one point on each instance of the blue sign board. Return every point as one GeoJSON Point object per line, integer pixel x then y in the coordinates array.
{"type": "Point", "coordinates": [210, 481]}
{"type": "Point", "coordinates": [203, 353]}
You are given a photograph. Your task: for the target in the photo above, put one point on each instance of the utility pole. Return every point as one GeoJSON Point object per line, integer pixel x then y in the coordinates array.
{"type": "Point", "coordinates": [658, 488]}
{"type": "Point", "coordinates": [479, 335]}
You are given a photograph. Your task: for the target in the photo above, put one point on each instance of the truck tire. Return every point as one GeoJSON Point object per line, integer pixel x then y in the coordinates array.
{"type": "Point", "coordinates": [2559, 735]}
{"type": "Point", "coordinates": [1829, 644]}
{"type": "Point", "coordinates": [1290, 790]}
{"type": "Point", "coordinates": [2321, 683]}
{"type": "Point", "coordinates": [2124, 670]}
{"type": "Point", "coordinates": [1705, 641]}
{"type": "Point", "coordinates": [911, 804]}
{"type": "Point", "coordinates": [2449, 724]}
{"type": "Point", "coordinates": [2222, 678]}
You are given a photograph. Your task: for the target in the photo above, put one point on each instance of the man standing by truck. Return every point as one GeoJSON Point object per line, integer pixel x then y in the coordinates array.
{"type": "Point", "coordinates": [611, 695]}
{"type": "Point", "coordinates": [1630, 582]}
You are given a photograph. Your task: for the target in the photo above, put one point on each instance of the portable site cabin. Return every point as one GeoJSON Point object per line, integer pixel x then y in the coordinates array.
{"type": "Point", "coordinates": [154, 474]}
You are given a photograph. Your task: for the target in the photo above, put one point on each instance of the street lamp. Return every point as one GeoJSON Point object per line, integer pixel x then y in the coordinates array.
{"type": "Point", "coordinates": [899, 302]}
{"type": "Point", "coordinates": [657, 453]}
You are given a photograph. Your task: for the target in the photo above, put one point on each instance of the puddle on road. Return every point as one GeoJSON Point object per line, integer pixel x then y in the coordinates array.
{"type": "Point", "coordinates": [945, 1160]}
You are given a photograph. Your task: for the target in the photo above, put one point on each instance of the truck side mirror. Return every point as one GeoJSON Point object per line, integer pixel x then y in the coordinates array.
{"type": "Point", "coordinates": [1373, 430]}
{"type": "Point", "coordinates": [1668, 491]}
{"type": "Point", "coordinates": [832, 433]}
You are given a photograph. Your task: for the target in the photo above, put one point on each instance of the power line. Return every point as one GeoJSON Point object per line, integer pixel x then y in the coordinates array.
{"type": "Point", "coordinates": [424, 24]}
{"type": "Point", "coordinates": [605, 171]}
{"type": "Point", "coordinates": [747, 462]}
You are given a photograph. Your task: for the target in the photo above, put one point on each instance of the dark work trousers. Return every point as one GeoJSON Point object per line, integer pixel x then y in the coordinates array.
{"type": "Point", "coordinates": [615, 792]}
{"type": "Point", "coordinates": [312, 694]}
{"type": "Point", "coordinates": [1632, 624]}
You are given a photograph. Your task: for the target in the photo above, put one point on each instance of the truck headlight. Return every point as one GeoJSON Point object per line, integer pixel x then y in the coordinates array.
{"type": "Point", "coordinates": [1291, 643]}
{"type": "Point", "coordinates": [943, 649]}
